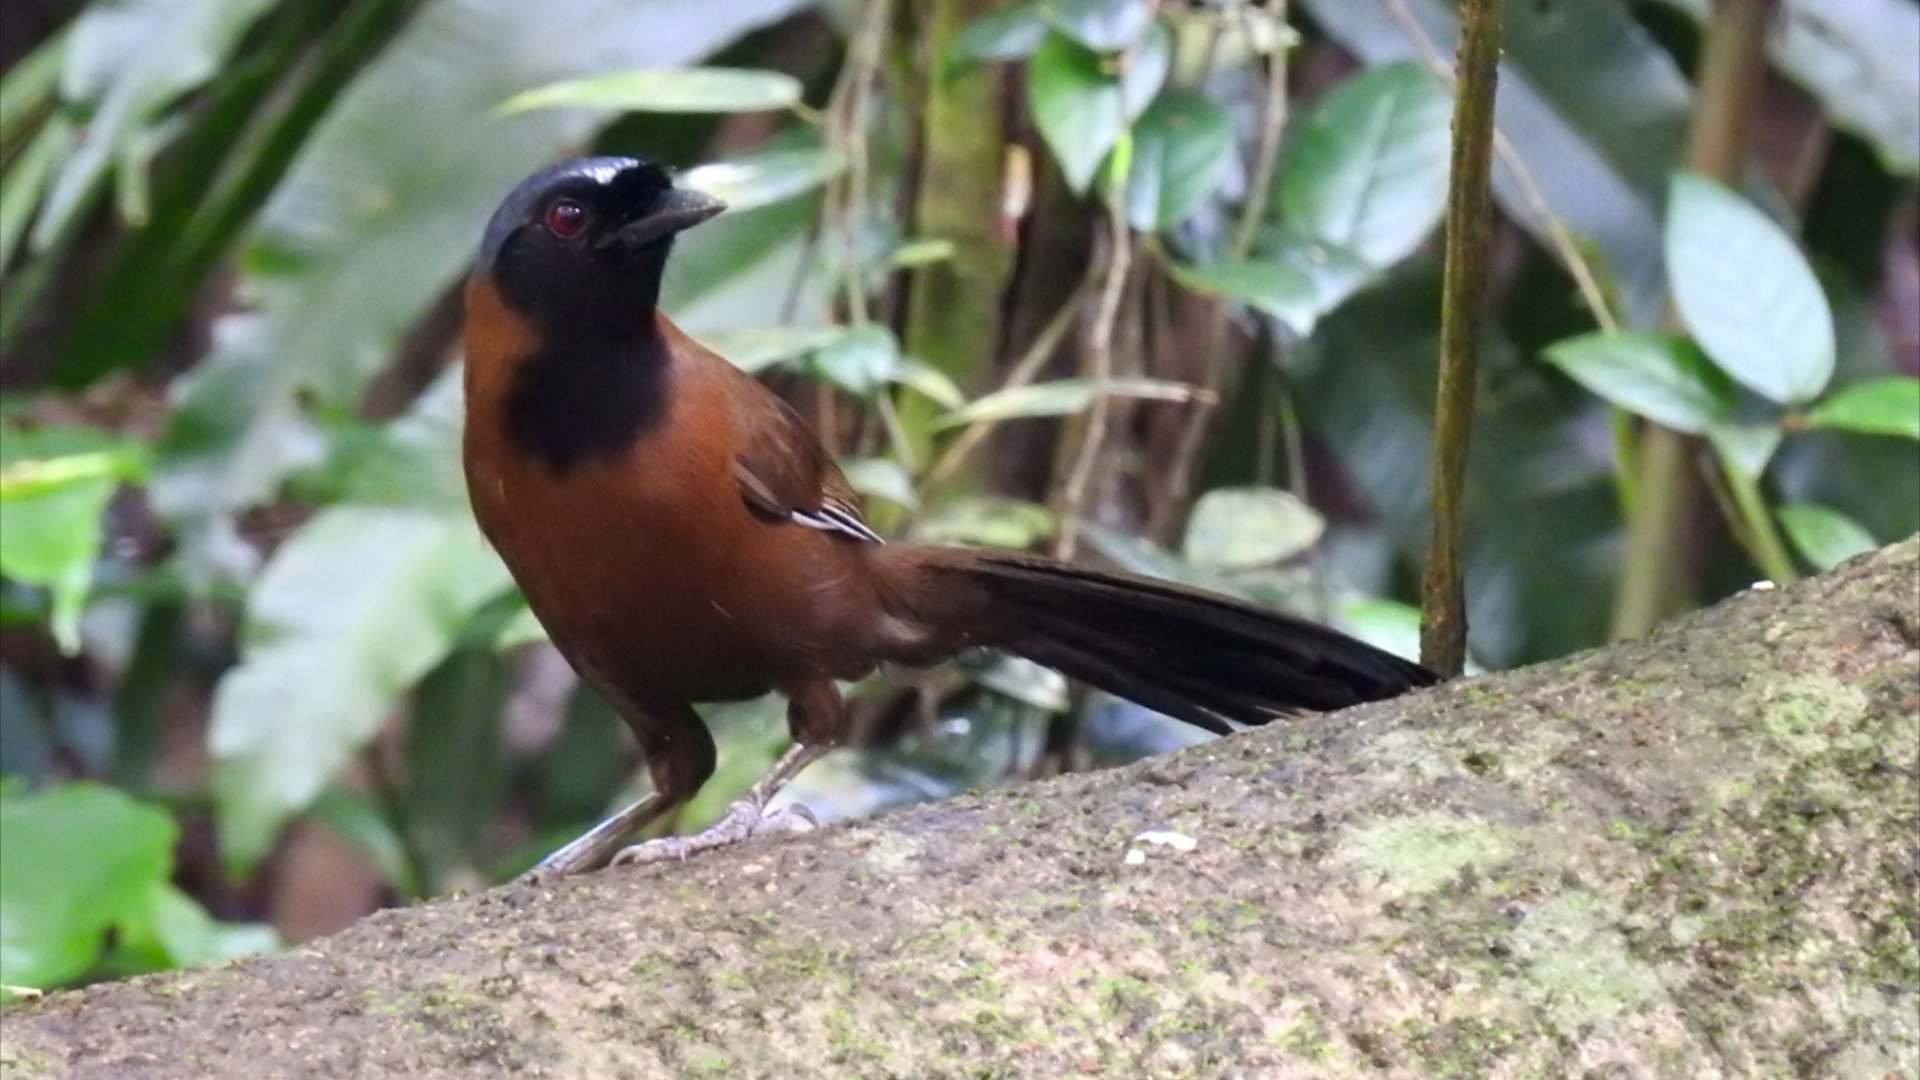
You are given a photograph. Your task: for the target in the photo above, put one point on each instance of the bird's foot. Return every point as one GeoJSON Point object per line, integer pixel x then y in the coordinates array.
{"type": "Point", "coordinates": [744, 820]}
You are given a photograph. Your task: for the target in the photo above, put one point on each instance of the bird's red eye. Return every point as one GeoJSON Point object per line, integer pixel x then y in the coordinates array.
{"type": "Point", "coordinates": [567, 219]}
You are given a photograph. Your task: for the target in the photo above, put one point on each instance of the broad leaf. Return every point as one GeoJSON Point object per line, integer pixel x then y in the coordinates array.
{"type": "Point", "coordinates": [988, 520]}
{"type": "Point", "coordinates": [668, 90]}
{"type": "Point", "coordinates": [1368, 170]}
{"type": "Point", "coordinates": [1076, 105]}
{"type": "Point", "coordinates": [1002, 34]}
{"type": "Point", "coordinates": [860, 360]}
{"type": "Point", "coordinates": [371, 223]}
{"type": "Point", "coordinates": [1237, 528]}
{"type": "Point", "coordinates": [1889, 406]}
{"type": "Point", "coordinates": [768, 177]}
{"type": "Point", "coordinates": [75, 861]}
{"type": "Point", "coordinates": [1593, 104]}
{"type": "Point", "coordinates": [1062, 398]}
{"type": "Point", "coordinates": [1182, 146]}
{"type": "Point", "coordinates": [352, 610]}
{"type": "Point", "coordinates": [54, 486]}
{"type": "Point", "coordinates": [1101, 25]}
{"type": "Point", "coordinates": [1823, 536]}
{"type": "Point", "coordinates": [1746, 292]}
{"type": "Point", "coordinates": [1143, 69]}
{"type": "Point", "coordinates": [1662, 377]}
{"type": "Point", "coordinates": [762, 347]}
{"type": "Point", "coordinates": [1294, 279]}
{"type": "Point", "coordinates": [881, 478]}
{"type": "Point", "coordinates": [126, 63]}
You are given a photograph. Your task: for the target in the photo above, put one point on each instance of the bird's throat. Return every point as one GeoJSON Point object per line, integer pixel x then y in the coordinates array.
{"type": "Point", "coordinates": [575, 400]}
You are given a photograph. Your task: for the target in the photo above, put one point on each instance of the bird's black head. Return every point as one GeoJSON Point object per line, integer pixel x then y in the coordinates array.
{"type": "Point", "coordinates": [582, 245]}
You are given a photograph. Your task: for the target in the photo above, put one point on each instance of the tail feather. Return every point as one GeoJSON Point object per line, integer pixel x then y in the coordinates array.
{"type": "Point", "coordinates": [1196, 656]}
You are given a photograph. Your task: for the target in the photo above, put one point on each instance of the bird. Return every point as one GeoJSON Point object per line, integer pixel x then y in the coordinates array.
{"type": "Point", "coordinates": [684, 536]}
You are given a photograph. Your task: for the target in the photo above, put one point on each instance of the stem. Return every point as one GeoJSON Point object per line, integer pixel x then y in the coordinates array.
{"type": "Point", "coordinates": [1656, 578]}
{"type": "Point", "coordinates": [1273, 122]}
{"type": "Point", "coordinates": [1073, 497]}
{"type": "Point", "coordinates": [1763, 539]}
{"type": "Point", "coordinates": [1443, 631]}
{"type": "Point", "coordinates": [1023, 373]}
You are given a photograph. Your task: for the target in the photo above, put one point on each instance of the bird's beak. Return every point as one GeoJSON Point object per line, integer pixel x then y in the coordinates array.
{"type": "Point", "coordinates": [677, 210]}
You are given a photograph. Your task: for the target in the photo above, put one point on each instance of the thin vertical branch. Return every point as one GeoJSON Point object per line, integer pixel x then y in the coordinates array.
{"type": "Point", "coordinates": [1266, 160]}
{"type": "Point", "coordinates": [1656, 579]}
{"type": "Point", "coordinates": [1073, 497]}
{"type": "Point", "coordinates": [1443, 630]}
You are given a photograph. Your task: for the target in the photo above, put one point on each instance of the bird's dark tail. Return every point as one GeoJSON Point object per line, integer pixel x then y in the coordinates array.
{"type": "Point", "coordinates": [1193, 655]}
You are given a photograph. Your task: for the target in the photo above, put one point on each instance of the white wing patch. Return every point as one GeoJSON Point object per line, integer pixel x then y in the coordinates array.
{"type": "Point", "coordinates": [832, 518]}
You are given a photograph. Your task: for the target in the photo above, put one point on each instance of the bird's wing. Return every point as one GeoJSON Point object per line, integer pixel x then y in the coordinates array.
{"type": "Point", "coordinates": [785, 474]}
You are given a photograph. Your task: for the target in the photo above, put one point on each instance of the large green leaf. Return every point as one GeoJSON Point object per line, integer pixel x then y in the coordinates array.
{"type": "Point", "coordinates": [1747, 293]}
{"type": "Point", "coordinates": [1236, 528]}
{"type": "Point", "coordinates": [1006, 33]}
{"type": "Point", "coordinates": [1824, 536]}
{"type": "Point", "coordinates": [1182, 146]}
{"type": "Point", "coordinates": [768, 177]}
{"type": "Point", "coordinates": [373, 222]}
{"type": "Point", "coordinates": [1368, 171]}
{"type": "Point", "coordinates": [352, 610]}
{"type": "Point", "coordinates": [1293, 279]}
{"type": "Point", "coordinates": [125, 63]}
{"type": "Point", "coordinates": [1889, 406]}
{"type": "Point", "coordinates": [1595, 107]}
{"type": "Point", "coordinates": [1663, 377]}
{"type": "Point", "coordinates": [1101, 25]}
{"type": "Point", "coordinates": [671, 90]}
{"type": "Point", "coordinates": [1077, 106]}
{"type": "Point", "coordinates": [1060, 398]}
{"type": "Point", "coordinates": [54, 486]}
{"type": "Point", "coordinates": [1858, 58]}
{"type": "Point", "coordinates": [74, 861]}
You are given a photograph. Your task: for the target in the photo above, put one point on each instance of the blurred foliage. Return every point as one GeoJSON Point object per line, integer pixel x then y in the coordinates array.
{"type": "Point", "coordinates": [245, 614]}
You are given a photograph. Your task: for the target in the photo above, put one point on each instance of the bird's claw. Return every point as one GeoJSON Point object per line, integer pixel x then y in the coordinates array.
{"type": "Point", "coordinates": [744, 820]}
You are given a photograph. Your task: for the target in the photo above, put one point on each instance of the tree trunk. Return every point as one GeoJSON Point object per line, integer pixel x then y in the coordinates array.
{"type": "Point", "coordinates": [1688, 856]}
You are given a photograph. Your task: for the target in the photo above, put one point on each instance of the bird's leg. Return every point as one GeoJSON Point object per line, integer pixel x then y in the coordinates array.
{"type": "Point", "coordinates": [745, 819]}
{"type": "Point", "coordinates": [818, 722]}
{"type": "Point", "coordinates": [592, 849]}
{"type": "Point", "coordinates": [679, 754]}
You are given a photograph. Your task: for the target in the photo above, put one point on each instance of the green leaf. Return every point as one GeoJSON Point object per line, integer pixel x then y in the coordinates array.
{"type": "Point", "coordinates": [365, 230]}
{"type": "Point", "coordinates": [861, 360]}
{"type": "Point", "coordinates": [353, 609]}
{"type": "Point", "coordinates": [1746, 447]}
{"type": "Point", "coordinates": [125, 64]}
{"type": "Point", "coordinates": [50, 511]}
{"type": "Point", "coordinates": [761, 347]}
{"type": "Point", "coordinates": [765, 178]}
{"type": "Point", "coordinates": [1007, 33]}
{"type": "Point", "coordinates": [1076, 105]}
{"type": "Point", "coordinates": [1384, 624]}
{"type": "Point", "coordinates": [1298, 281]}
{"type": "Point", "coordinates": [521, 628]}
{"type": "Point", "coordinates": [1182, 146]}
{"type": "Point", "coordinates": [989, 520]}
{"type": "Point", "coordinates": [1061, 398]}
{"type": "Point", "coordinates": [1237, 528]}
{"type": "Point", "coordinates": [1368, 171]}
{"type": "Point", "coordinates": [1824, 537]}
{"type": "Point", "coordinates": [1662, 377]}
{"type": "Point", "coordinates": [1858, 59]}
{"type": "Point", "coordinates": [1100, 25]}
{"type": "Point", "coordinates": [921, 253]}
{"type": "Point", "coordinates": [1592, 102]}
{"type": "Point", "coordinates": [881, 478]}
{"type": "Point", "coordinates": [1143, 69]}
{"type": "Point", "coordinates": [667, 90]}
{"type": "Point", "coordinates": [1746, 292]}
{"type": "Point", "coordinates": [930, 382]}
{"type": "Point", "coordinates": [26, 179]}
{"type": "Point", "coordinates": [1889, 406]}
{"type": "Point", "coordinates": [75, 860]}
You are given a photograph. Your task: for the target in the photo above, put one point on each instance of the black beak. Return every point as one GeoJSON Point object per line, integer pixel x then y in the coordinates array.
{"type": "Point", "coordinates": [676, 210]}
